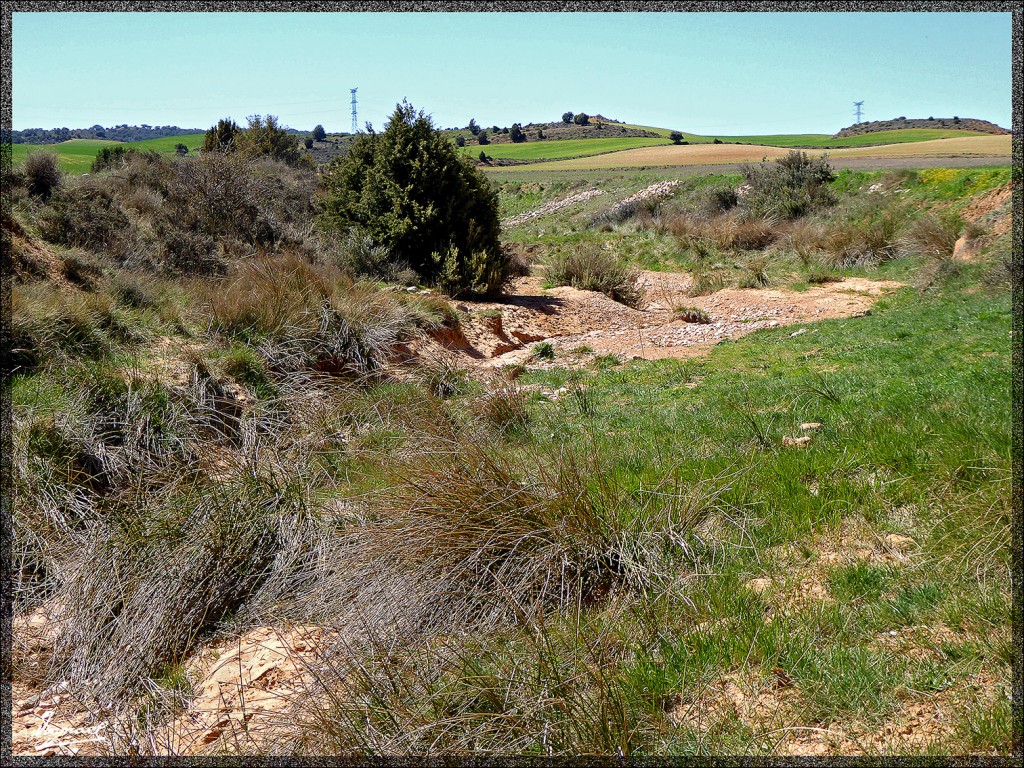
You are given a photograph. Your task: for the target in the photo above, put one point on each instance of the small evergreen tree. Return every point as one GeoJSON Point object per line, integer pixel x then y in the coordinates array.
{"type": "Point", "coordinates": [221, 137]}
{"type": "Point", "coordinates": [676, 136]}
{"type": "Point", "coordinates": [516, 133]}
{"type": "Point", "coordinates": [460, 141]}
{"type": "Point", "coordinates": [481, 139]}
{"type": "Point", "coordinates": [582, 119]}
{"type": "Point", "coordinates": [180, 149]}
{"type": "Point", "coordinates": [410, 190]}
{"type": "Point", "coordinates": [473, 127]}
{"type": "Point", "coordinates": [567, 117]}
{"type": "Point", "coordinates": [319, 134]}
{"type": "Point", "coordinates": [112, 157]}
{"type": "Point", "coordinates": [308, 142]}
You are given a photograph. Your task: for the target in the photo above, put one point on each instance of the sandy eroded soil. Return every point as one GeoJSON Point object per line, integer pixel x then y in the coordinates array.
{"type": "Point", "coordinates": [589, 324]}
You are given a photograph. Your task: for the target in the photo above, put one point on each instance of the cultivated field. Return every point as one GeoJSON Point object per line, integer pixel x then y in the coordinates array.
{"type": "Point", "coordinates": [824, 141]}
{"type": "Point", "coordinates": [716, 154]}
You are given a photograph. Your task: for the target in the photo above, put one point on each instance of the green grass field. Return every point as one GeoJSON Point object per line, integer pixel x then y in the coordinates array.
{"type": "Point", "coordinates": [561, 150]}
{"type": "Point", "coordinates": [77, 155]}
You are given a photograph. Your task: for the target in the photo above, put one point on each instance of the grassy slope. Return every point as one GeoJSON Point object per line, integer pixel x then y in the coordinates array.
{"type": "Point", "coordinates": [929, 459]}
{"type": "Point", "coordinates": [77, 155]}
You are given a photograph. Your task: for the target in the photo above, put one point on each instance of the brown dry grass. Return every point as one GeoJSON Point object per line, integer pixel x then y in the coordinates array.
{"type": "Point", "coordinates": [966, 145]}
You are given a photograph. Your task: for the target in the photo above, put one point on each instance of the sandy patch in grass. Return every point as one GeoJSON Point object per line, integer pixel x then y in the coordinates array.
{"type": "Point", "coordinates": [769, 705]}
{"type": "Point", "coordinates": [242, 692]}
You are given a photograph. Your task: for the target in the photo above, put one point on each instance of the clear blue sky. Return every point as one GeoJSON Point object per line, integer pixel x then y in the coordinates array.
{"type": "Point", "coordinates": [724, 73]}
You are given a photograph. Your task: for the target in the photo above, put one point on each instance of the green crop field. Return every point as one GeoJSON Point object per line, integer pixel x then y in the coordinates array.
{"type": "Point", "coordinates": [77, 155]}
{"type": "Point", "coordinates": [561, 150]}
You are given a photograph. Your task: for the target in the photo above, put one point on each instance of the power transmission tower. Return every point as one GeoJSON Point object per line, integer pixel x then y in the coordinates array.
{"type": "Point", "coordinates": [355, 120]}
{"type": "Point", "coordinates": [857, 104]}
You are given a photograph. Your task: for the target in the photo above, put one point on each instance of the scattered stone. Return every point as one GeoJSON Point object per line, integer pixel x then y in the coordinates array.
{"type": "Point", "coordinates": [809, 426]}
{"type": "Point", "coordinates": [897, 542]}
{"type": "Point", "coordinates": [797, 442]}
{"type": "Point", "coordinates": [759, 585]}
{"type": "Point", "coordinates": [966, 250]}
{"type": "Point", "coordinates": [551, 207]}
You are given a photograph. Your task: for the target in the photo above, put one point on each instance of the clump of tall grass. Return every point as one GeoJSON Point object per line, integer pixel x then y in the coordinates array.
{"type": "Point", "coordinates": [705, 281]}
{"type": "Point", "coordinates": [143, 589]}
{"type": "Point", "coordinates": [304, 316]}
{"type": "Point", "coordinates": [864, 239]}
{"type": "Point", "coordinates": [728, 232]}
{"type": "Point", "coordinates": [504, 407]}
{"type": "Point", "coordinates": [934, 236]}
{"type": "Point", "coordinates": [563, 687]}
{"type": "Point", "coordinates": [467, 534]}
{"type": "Point", "coordinates": [47, 323]}
{"type": "Point", "coordinates": [590, 267]}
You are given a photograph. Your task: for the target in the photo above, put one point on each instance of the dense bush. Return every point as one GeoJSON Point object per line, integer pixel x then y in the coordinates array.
{"type": "Point", "coordinates": [85, 216]}
{"type": "Point", "coordinates": [42, 174]}
{"type": "Point", "coordinates": [319, 134]}
{"type": "Point", "coordinates": [568, 117]}
{"type": "Point", "coordinates": [516, 133]}
{"type": "Point", "coordinates": [183, 215]}
{"type": "Point", "coordinates": [481, 139]}
{"type": "Point", "coordinates": [221, 137]}
{"type": "Point", "coordinates": [264, 137]}
{"type": "Point", "coordinates": [581, 119]}
{"type": "Point", "coordinates": [788, 187]}
{"type": "Point", "coordinates": [115, 157]}
{"type": "Point", "coordinates": [410, 190]}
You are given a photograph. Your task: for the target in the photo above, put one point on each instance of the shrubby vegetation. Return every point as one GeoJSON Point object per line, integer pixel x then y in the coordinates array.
{"type": "Point", "coordinates": [789, 187]}
{"type": "Point", "coordinates": [42, 174]}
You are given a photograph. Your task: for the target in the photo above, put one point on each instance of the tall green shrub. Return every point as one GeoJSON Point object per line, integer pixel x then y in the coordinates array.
{"type": "Point", "coordinates": [221, 137]}
{"type": "Point", "coordinates": [411, 191]}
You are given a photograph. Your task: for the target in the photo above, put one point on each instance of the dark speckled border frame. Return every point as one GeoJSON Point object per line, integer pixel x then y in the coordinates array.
{"type": "Point", "coordinates": [1016, 8]}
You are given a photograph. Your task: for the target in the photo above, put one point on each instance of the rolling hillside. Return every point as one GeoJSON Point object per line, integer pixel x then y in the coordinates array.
{"type": "Point", "coordinates": [77, 155]}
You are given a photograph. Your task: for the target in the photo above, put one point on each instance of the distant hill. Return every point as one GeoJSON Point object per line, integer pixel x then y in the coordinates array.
{"type": "Point", "coordinates": [116, 133]}
{"type": "Point", "coordinates": [899, 123]}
